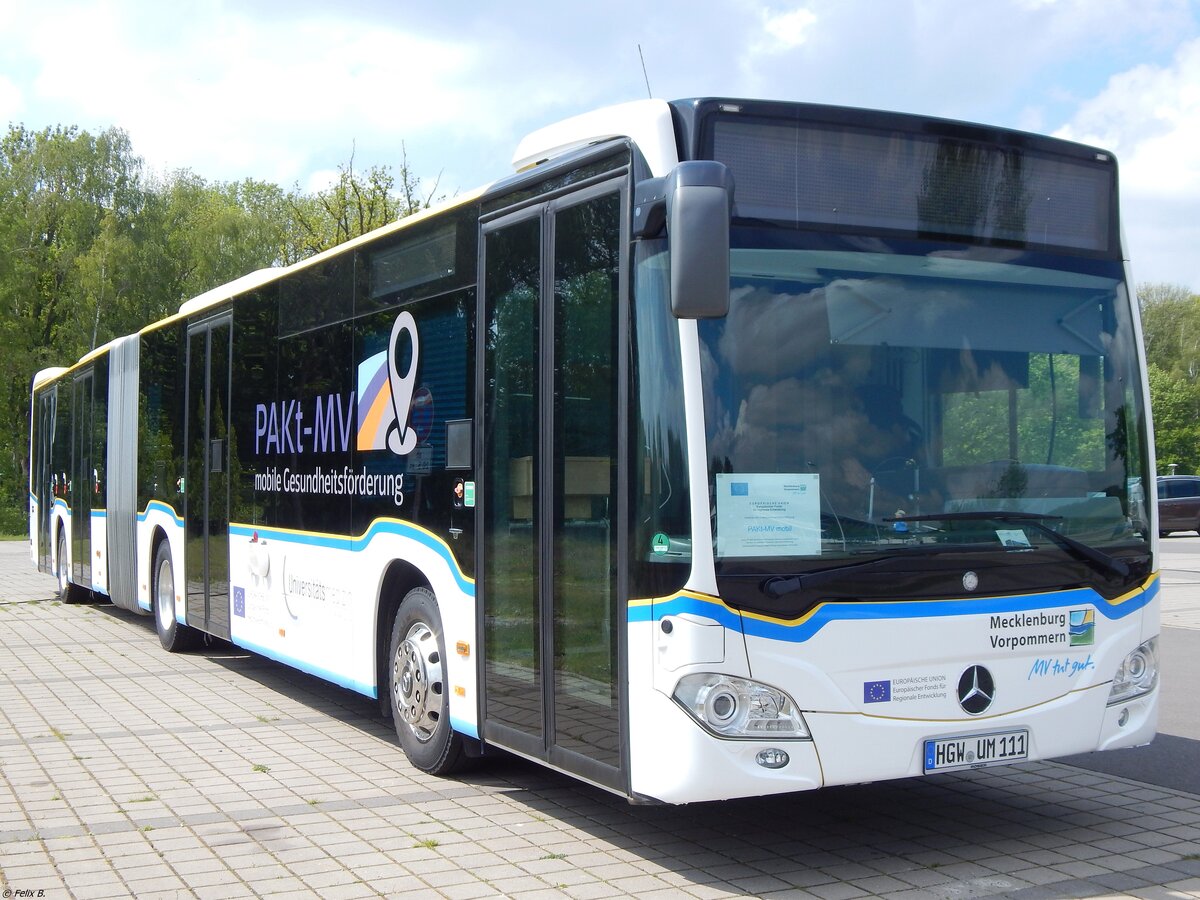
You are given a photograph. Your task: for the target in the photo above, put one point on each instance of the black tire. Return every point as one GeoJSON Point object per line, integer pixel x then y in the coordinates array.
{"type": "Point", "coordinates": [174, 636]}
{"type": "Point", "coordinates": [418, 689]}
{"type": "Point", "coordinates": [65, 591]}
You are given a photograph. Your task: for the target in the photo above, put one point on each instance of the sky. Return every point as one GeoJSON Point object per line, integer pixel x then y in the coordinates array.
{"type": "Point", "coordinates": [286, 90]}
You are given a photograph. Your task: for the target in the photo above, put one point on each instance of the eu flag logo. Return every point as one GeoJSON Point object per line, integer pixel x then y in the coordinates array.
{"type": "Point", "coordinates": [239, 602]}
{"type": "Point", "coordinates": [877, 691]}
{"type": "Point", "coordinates": [739, 488]}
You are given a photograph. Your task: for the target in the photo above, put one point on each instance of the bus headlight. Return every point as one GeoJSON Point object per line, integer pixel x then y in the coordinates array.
{"type": "Point", "coordinates": [1137, 674]}
{"type": "Point", "coordinates": [739, 708]}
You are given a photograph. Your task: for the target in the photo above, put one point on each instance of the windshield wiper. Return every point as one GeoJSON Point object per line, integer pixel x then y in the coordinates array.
{"type": "Point", "coordinates": [1108, 565]}
{"type": "Point", "coordinates": [782, 585]}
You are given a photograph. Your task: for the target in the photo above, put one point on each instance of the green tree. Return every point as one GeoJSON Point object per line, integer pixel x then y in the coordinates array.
{"type": "Point", "coordinates": [357, 202]}
{"type": "Point", "coordinates": [1176, 405]}
{"type": "Point", "coordinates": [195, 235]}
{"type": "Point", "coordinates": [1171, 328]}
{"type": "Point", "coordinates": [60, 189]}
{"type": "Point", "coordinates": [1171, 333]}
{"type": "Point", "coordinates": [92, 248]}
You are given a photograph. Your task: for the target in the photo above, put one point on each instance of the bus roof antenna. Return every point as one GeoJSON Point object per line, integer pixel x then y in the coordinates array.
{"type": "Point", "coordinates": [649, 93]}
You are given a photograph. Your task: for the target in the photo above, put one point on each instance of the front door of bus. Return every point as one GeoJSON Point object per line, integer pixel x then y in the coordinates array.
{"type": "Point", "coordinates": [548, 514]}
{"type": "Point", "coordinates": [45, 491]}
{"type": "Point", "coordinates": [207, 480]}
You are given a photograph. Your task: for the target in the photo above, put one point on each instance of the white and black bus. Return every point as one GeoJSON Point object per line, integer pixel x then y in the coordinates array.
{"type": "Point", "coordinates": [726, 448]}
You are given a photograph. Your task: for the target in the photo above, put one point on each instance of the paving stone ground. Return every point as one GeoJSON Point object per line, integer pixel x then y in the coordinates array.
{"type": "Point", "coordinates": [126, 771]}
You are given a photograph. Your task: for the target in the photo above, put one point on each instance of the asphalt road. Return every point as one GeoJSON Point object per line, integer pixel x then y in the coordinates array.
{"type": "Point", "coordinates": [1173, 758]}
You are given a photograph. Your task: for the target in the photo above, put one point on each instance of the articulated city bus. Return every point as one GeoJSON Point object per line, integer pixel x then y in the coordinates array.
{"type": "Point", "coordinates": [727, 448]}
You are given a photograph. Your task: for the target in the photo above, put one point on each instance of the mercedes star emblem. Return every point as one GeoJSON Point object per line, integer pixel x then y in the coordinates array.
{"type": "Point", "coordinates": [976, 688]}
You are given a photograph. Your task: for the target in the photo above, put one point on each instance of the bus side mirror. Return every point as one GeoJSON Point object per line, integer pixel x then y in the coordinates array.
{"type": "Point", "coordinates": [696, 199]}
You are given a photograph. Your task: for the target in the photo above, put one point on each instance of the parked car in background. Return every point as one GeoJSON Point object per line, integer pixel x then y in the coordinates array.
{"type": "Point", "coordinates": [1178, 503]}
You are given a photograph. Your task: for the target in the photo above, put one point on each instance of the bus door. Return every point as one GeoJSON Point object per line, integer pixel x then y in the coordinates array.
{"type": "Point", "coordinates": [81, 480]}
{"type": "Point", "coordinates": [553, 623]}
{"type": "Point", "coordinates": [43, 479]}
{"type": "Point", "coordinates": [62, 464]}
{"type": "Point", "coordinates": [206, 484]}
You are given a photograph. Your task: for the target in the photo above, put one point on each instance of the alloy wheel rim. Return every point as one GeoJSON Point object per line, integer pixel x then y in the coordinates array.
{"type": "Point", "coordinates": [62, 568]}
{"type": "Point", "coordinates": [164, 594]}
{"type": "Point", "coordinates": [417, 682]}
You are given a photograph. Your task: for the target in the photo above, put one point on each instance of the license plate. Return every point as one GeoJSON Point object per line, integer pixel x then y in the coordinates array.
{"type": "Point", "coordinates": [973, 751]}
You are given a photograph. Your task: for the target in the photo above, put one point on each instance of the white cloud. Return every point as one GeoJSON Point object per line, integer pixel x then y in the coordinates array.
{"type": "Point", "coordinates": [1150, 117]}
{"type": "Point", "coordinates": [216, 91]}
{"type": "Point", "coordinates": [11, 101]}
{"type": "Point", "coordinates": [320, 180]}
{"type": "Point", "coordinates": [786, 31]}
{"type": "Point", "coordinates": [283, 89]}
{"type": "Point", "coordinates": [1019, 61]}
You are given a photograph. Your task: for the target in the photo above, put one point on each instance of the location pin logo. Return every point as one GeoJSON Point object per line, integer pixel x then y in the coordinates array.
{"type": "Point", "coordinates": [402, 439]}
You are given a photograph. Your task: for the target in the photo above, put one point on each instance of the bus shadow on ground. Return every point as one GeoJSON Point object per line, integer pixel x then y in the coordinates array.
{"type": "Point", "coordinates": [937, 827]}
{"type": "Point", "coordinates": [954, 835]}
{"type": "Point", "coordinates": [320, 695]}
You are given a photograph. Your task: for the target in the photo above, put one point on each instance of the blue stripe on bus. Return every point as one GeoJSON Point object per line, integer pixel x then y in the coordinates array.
{"type": "Point", "coordinates": [360, 543]}
{"type": "Point", "coordinates": [803, 629]}
{"type": "Point", "coordinates": [161, 507]}
{"type": "Point", "coordinates": [95, 513]}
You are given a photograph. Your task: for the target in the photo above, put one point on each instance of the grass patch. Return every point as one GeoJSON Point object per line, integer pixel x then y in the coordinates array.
{"type": "Point", "coordinates": [428, 844]}
{"type": "Point", "coordinates": [259, 767]}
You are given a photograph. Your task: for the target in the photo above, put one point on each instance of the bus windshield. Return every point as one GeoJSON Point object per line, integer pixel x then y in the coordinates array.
{"type": "Point", "coordinates": [854, 399]}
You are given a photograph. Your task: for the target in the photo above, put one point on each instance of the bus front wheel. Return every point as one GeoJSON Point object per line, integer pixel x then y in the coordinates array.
{"type": "Point", "coordinates": [173, 635]}
{"type": "Point", "coordinates": [418, 688]}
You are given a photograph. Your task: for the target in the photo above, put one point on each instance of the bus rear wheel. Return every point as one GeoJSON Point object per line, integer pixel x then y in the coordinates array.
{"type": "Point", "coordinates": [66, 592]}
{"type": "Point", "coordinates": [173, 635]}
{"type": "Point", "coordinates": [418, 688]}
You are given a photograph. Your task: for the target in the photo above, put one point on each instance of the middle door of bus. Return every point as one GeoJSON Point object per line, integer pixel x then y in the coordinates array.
{"type": "Point", "coordinates": [551, 546]}
{"type": "Point", "coordinates": [206, 495]}
{"type": "Point", "coordinates": [81, 498]}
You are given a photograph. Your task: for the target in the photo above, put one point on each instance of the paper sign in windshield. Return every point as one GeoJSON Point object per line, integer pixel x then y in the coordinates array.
{"type": "Point", "coordinates": [1013, 537]}
{"type": "Point", "coordinates": [768, 515]}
